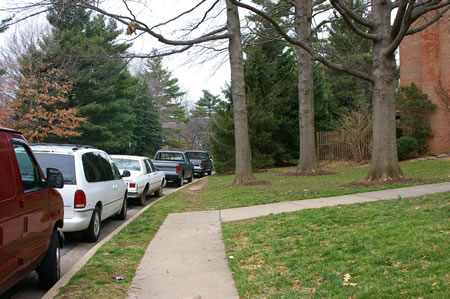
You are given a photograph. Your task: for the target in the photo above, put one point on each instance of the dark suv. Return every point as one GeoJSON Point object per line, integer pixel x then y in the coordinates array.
{"type": "Point", "coordinates": [202, 162]}
{"type": "Point", "coordinates": [31, 213]}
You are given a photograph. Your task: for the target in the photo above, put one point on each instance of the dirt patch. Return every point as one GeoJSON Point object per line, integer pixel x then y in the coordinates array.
{"type": "Point", "coordinates": [253, 184]}
{"type": "Point", "coordinates": [343, 164]}
{"type": "Point", "coordinates": [319, 172]}
{"type": "Point", "coordinates": [365, 183]}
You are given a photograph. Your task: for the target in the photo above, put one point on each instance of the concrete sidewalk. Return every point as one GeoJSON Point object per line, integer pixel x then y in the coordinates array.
{"type": "Point", "coordinates": [186, 259]}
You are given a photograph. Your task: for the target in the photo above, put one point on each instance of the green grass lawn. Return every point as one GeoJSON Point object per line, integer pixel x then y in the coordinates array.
{"type": "Point", "coordinates": [218, 194]}
{"type": "Point", "coordinates": [397, 248]}
{"type": "Point", "coordinates": [122, 254]}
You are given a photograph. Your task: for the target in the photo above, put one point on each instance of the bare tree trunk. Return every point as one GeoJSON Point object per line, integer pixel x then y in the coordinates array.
{"type": "Point", "coordinates": [308, 157]}
{"type": "Point", "coordinates": [384, 164]}
{"type": "Point", "coordinates": [244, 172]}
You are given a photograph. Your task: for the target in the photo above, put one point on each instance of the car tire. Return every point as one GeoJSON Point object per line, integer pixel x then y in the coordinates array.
{"type": "Point", "coordinates": [92, 233]}
{"type": "Point", "coordinates": [191, 177]}
{"type": "Point", "coordinates": [123, 211]}
{"type": "Point", "coordinates": [143, 197]}
{"type": "Point", "coordinates": [180, 181]}
{"type": "Point", "coordinates": [159, 192]}
{"type": "Point", "coordinates": [49, 271]}
{"type": "Point", "coordinates": [210, 172]}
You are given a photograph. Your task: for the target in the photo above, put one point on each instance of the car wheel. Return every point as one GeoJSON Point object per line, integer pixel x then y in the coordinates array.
{"type": "Point", "coordinates": [123, 212]}
{"type": "Point", "coordinates": [143, 197]}
{"type": "Point", "coordinates": [191, 177]}
{"type": "Point", "coordinates": [92, 233]}
{"type": "Point", "coordinates": [159, 192]}
{"type": "Point", "coordinates": [180, 181]}
{"type": "Point", "coordinates": [49, 271]}
{"type": "Point", "coordinates": [210, 172]}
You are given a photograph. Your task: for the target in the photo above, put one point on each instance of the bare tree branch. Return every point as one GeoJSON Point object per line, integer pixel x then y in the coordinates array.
{"type": "Point", "coordinates": [348, 18]}
{"type": "Point", "coordinates": [399, 18]}
{"type": "Point", "coordinates": [180, 15]}
{"type": "Point", "coordinates": [433, 5]}
{"type": "Point", "coordinates": [430, 22]}
{"type": "Point", "coordinates": [209, 36]}
{"type": "Point", "coordinates": [338, 67]}
{"type": "Point", "coordinates": [350, 13]}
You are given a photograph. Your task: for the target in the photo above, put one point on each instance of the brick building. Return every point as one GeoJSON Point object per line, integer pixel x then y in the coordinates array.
{"type": "Point", "coordinates": [425, 61]}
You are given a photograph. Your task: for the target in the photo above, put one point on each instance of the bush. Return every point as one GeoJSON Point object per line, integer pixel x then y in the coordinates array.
{"type": "Point", "coordinates": [415, 107]}
{"type": "Point", "coordinates": [406, 145]}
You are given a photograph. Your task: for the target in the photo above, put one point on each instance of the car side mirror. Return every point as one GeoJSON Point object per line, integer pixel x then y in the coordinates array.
{"type": "Point", "coordinates": [55, 178]}
{"type": "Point", "coordinates": [125, 174]}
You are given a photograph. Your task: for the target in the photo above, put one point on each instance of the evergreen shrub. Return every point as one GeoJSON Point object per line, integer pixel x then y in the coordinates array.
{"type": "Point", "coordinates": [405, 146]}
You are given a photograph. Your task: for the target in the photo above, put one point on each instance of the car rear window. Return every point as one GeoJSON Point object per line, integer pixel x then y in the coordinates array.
{"type": "Point", "coordinates": [126, 164]}
{"type": "Point", "coordinates": [65, 163]}
{"type": "Point", "coordinates": [195, 155]}
{"type": "Point", "coordinates": [170, 157]}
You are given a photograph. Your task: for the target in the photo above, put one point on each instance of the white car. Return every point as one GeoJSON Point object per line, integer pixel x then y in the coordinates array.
{"type": "Point", "coordinates": [144, 179]}
{"type": "Point", "coordinates": [93, 187]}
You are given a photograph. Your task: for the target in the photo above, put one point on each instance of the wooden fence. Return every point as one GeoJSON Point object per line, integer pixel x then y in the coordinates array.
{"type": "Point", "coordinates": [342, 145]}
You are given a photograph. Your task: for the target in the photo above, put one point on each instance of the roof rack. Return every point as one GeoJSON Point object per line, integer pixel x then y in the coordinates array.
{"type": "Point", "coordinates": [74, 147]}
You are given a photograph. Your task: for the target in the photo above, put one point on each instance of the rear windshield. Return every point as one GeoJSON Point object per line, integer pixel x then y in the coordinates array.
{"type": "Point", "coordinates": [65, 163]}
{"type": "Point", "coordinates": [170, 157]}
{"type": "Point", "coordinates": [126, 164]}
{"type": "Point", "coordinates": [195, 155]}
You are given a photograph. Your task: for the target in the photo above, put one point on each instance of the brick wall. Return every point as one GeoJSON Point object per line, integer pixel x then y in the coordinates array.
{"type": "Point", "coordinates": [425, 60]}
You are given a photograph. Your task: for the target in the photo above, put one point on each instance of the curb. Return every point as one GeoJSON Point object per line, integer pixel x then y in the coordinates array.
{"type": "Point", "coordinates": [54, 291]}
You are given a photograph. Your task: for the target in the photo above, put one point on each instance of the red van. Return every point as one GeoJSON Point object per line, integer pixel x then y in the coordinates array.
{"type": "Point", "coordinates": [30, 214]}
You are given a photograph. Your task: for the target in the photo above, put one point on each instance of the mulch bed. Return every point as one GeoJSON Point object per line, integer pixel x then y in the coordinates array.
{"type": "Point", "coordinates": [253, 184]}
{"type": "Point", "coordinates": [319, 172]}
{"type": "Point", "coordinates": [365, 183]}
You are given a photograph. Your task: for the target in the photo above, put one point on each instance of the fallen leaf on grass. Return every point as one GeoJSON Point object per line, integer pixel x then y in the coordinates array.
{"type": "Point", "coordinates": [346, 282]}
{"type": "Point", "coordinates": [404, 270]}
{"type": "Point", "coordinates": [309, 290]}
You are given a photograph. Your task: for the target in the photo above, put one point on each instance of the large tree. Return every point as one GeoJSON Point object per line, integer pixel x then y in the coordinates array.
{"type": "Point", "coordinates": [385, 34]}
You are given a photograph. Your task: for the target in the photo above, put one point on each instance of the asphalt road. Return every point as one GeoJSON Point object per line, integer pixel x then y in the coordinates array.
{"type": "Point", "coordinates": [74, 249]}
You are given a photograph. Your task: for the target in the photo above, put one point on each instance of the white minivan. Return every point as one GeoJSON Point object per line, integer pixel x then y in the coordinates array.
{"type": "Point", "coordinates": [93, 187]}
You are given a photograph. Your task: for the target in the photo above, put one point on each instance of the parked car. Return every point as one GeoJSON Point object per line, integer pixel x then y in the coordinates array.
{"type": "Point", "coordinates": [175, 165]}
{"type": "Point", "coordinates": [93, 187]}
{"type": "Point", "coordinates": [31, 214]}
{"type": "Point", "coordinates": [202, 162]}
{"type": "Point", "coordinates": [144, 178]}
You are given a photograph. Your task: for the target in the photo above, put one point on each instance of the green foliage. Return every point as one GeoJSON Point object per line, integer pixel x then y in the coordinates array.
{"type": "Point", "coordinates": [176, 144]}
{"type": "Point", "coordinates": [406, 145]}
{"type": "Point", "coordinates": [414, 108]}
{"type": "Point", "coordinates": [206, 105]}
{"type": "Point", "coordinates": [164, 90]}
{"type": "Point", "coordinates": [148, 131]}
{"type": "Point", "coordinates": [4, 24]}
{"type": "Point", "coordinates": [222, 137]}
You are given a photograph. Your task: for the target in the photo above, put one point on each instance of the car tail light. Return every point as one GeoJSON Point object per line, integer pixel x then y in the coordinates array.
{"type": "Point", "coordinates": [201, 164]}
{"type": "Point", "coordinates": [178, 168]}
{"type": "Point", "coordinates": [80, 199]}
{"type": "Point", "coordinates": [132, 185]}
